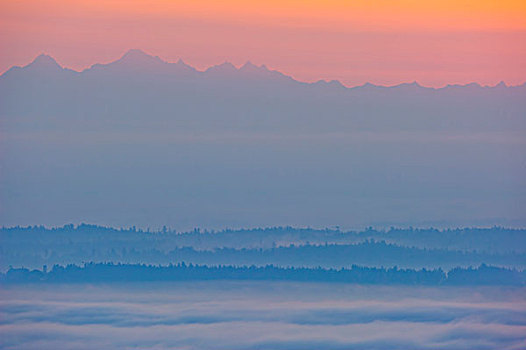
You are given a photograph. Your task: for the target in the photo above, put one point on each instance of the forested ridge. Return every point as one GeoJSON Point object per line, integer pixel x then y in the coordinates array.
{"type": "Point", "coordinates": [109, 272]}
{"type": "Point", "coordinates": [35, 246]}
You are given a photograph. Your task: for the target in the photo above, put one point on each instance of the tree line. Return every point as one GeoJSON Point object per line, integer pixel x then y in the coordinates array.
{"type": "Point", "coordinates": [494, 239]}
{"type": "Point", "coordinates": [110, 272]}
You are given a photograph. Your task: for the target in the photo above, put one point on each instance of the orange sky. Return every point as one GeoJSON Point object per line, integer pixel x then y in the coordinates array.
{"type": "Point", "coordinates": [434, 42]}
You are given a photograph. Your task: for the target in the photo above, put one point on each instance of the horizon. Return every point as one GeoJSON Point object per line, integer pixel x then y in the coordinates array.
{"type": "Point", "coordinates": [333, 228]}
{"type": "Point", "coordinates": [261, 66]}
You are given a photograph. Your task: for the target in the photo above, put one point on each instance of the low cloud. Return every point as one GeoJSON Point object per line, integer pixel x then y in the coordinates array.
{"type": "Point", "coordinates": [247, 315]}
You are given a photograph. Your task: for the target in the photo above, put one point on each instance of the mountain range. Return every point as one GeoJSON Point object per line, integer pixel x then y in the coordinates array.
{"type": "Point", "coordinates": [137, 62]}
{"type": "Point", "coordinates": [252, 98]}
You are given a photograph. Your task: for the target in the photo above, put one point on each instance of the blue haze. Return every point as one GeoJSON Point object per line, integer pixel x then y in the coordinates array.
{"type": "Point", "coordinates": [33, 247]}
{"type": "Point", "coordinates": [143, 142]}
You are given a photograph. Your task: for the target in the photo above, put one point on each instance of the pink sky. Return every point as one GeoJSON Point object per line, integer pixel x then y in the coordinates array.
{"type": "Point", "coordinates": [383, 42]}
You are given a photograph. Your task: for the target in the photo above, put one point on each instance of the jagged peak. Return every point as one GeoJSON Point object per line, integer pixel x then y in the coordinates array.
{"type": "Point", "coordinates": [368, 84]}
{"type": "Point", "coordinates": [250, 66]}
{"type": "Point", "coordinates": [44, 60]}
{"type": "Point", "coordinates": [223, 67]}
{"type": "Point", "coordinates": [227, 64]}
{"type": "Point", "coordinates": [334, 82]}
{"type": "Point", "coordinates": [137, 55]}
{"type": "Point", "coordinates": [133, 59]}
{"type": "Point", "coordinates": [469, 85]}
{"type": "Point", "coordinates": [182, 64]}
{"type": "Point", "coordinates": [251, 70]}
{"type": "Point", "coordinates": [414, 84]}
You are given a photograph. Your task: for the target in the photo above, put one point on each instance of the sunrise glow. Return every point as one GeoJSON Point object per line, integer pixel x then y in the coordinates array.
{"type": "Point", "coordinates": [384, 42]}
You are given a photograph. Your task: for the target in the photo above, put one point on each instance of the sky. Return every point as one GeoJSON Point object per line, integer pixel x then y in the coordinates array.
{"type": "Point", "coordinates": [434, 42]}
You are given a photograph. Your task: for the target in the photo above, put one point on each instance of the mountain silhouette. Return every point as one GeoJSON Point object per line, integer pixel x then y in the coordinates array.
{"type": "Point", "coordinates": [136, 61]}
{"type": "Point", "coordinates": [133, 59]}
{"type": "Point", "coordinates": [43, 62]}
{"type": "Point", "coordinates": [139, 85]}
{"type": "Point", "coordinates": [42, 66]}
{"type": "Point", "coordinates": [142, 89]}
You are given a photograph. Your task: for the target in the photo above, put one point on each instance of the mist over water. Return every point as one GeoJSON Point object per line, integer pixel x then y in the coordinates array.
{"type": "Point", "coordinates": [261, 315]}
